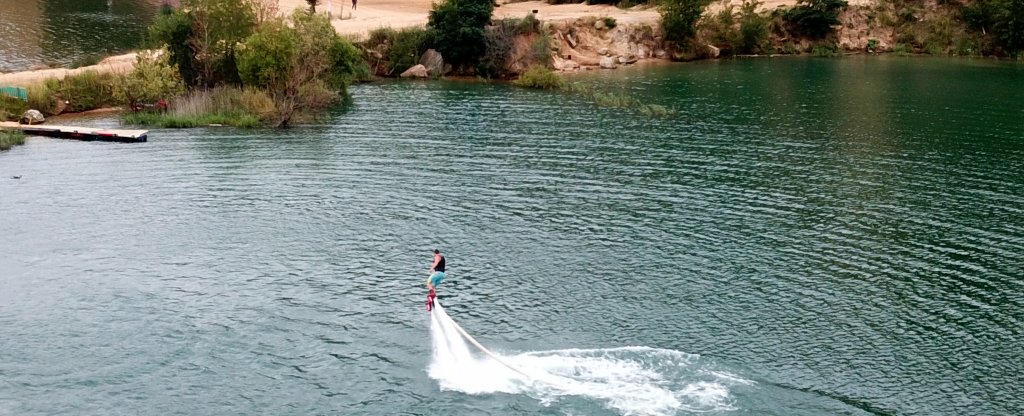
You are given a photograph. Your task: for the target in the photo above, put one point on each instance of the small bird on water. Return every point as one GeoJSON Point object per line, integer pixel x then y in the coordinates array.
{"type": "Point", "coordinates": [16, 177]}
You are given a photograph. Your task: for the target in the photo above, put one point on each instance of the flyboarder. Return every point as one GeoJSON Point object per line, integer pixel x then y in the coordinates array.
{"type": "Point", "coordinates": [436, 270]}
{"type": "Point", "coordinates": [436, 276]}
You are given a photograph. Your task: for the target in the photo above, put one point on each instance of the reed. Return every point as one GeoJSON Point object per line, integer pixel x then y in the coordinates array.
{"type": "Point", "coordinates": [11, 138]}
{"type": "Point", "coordinates": [232, 106]}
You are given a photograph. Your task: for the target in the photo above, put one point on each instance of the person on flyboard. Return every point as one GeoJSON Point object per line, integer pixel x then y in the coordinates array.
{"type": "Point", "coordinates": [436, 276]}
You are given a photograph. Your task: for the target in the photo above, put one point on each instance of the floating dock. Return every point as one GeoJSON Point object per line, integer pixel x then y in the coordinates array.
{"type": "Point", "coordinates": [79, 133]}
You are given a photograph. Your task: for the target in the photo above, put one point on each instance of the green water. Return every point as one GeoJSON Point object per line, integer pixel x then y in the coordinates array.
{"type": "Point", "coordinates": [805, 237]}
{"type": "Point", "coordinates": [56, 33]}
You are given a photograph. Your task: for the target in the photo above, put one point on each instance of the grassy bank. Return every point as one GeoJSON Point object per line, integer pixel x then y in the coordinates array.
{"type": "Point", "coordinates": [229, 106]}
{"type": "Point", "coordinates": [11, 138]}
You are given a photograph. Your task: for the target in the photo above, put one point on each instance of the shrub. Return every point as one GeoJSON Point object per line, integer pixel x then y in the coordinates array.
{"type": "Point", "coordinates": [815, 18]}
{"type": "Point", "coordinates": [202, 35]}
{"type": "Point", "coordinates": [539, 77]}
{"type": "Point", "coordinates": [500, 47]}
{"type": "Point", "coordinates": [11, 108]}
{"type": "Point", "coordinates": [609, 22]}
{"type": "Point", "coordinates": [825, 50]}
{"type": "Point", "coordinates": [11, 138]}
{"type": "Point", "coordinates": [399, 50]}
{"type": "Point", "coordinates": [872, 45]}
{"type": "Point", "coordinates": [679, 18]}
{"type": "Point", "coordinates": [88, 90]}
{"type": "Point", "coordinates": [499, 42]}
{"type": "Point", "coordinates": [720, 29]}
{"type": "Point", "coordinates": [40, 96]}
{"type": "Point", "coordinates": [528, 24]}
{"type": "Point", "coordinates": [1003, 18]}
{"type": "Point", "coordinates": [297, 62]}
{"type": "Point", "coordinates": [152, 79]}
{"type": "Point", "coordinates": [457, 30]}
{"type": "Point", "coordinates": [753, 36]}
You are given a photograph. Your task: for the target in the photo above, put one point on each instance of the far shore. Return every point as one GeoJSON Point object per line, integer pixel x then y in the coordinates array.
{"type": "Point", "coordinates": [371, 15]}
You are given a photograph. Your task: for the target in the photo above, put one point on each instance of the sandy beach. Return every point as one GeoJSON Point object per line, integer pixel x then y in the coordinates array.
{"type": "Point", "coordinates": [374, 14]}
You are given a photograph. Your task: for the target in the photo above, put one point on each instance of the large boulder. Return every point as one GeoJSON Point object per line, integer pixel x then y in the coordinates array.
{"type": "Point", "coordinates": [417, 71]}
{"type": "Point", "coordinates": [434, 62]}
{"type": "Point", "coordinates": [608, 62]}
{"type": "Point", "coordinates": [32, 117]}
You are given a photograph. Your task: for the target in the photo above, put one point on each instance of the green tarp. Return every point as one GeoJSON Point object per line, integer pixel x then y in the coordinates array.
{"type": "Point", "coordinates": [16, 92]}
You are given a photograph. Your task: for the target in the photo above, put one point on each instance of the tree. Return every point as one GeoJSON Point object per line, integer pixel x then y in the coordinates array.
{"type": "Point", "coordinates": [1008, 26]}
{"type": "Point", "coordinates": [152, 79]}
{"type": "Point", "coordinates": [457, 29]}
{"type": "Point", "coordinates": [172, 30]}
{"type": "Point", "coordinates": [679, 19]}
{"type": "Point", "coordinates": [218, 25]}
{"type": "Point", "coordinates": [815, 18]}
{"type": "Point", "coordinates": [1003, 19]}
{"type": "Point", "coordinates": [301, 62]}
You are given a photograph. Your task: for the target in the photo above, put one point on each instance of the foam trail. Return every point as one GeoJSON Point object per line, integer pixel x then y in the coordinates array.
{"type": "Point", "coordinates": [627, 380]}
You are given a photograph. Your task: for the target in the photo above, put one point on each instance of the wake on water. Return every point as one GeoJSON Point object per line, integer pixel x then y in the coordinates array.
{"type": "Point", "coordinates": [630, 380]}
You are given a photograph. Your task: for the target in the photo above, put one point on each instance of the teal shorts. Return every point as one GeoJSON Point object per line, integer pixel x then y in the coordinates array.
{"type": "Point", "coordinates": [436, 278]}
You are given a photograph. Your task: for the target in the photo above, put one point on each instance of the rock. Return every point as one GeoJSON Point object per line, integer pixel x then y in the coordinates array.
{"type": "Point", "coordinates": [599, 24]}
{"type": "Point", "coordinates": [608, 62]}
{"type": "Point", "coordinates": [628, 59]}
{"type": "Point", "coordinates": [660, 54]}
{"type": "Point", "coordinates": [571, 40]}
{"type": "Point", "coordinates": [417, 71]}
{"type": "Point", "coordinates": [603, 52]}
{"type": "Point", "coordinates": [32, 117]}
{"type": "Point", "coordinates": [62, 105]}
{"type": "Point", "coordinates": [434, 62]}
{"type": "Point", "coordinates": [713, 51]}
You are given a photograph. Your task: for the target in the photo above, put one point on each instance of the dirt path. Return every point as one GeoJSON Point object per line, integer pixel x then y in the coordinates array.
{"type": "Point", "coordinates": [119, 63]}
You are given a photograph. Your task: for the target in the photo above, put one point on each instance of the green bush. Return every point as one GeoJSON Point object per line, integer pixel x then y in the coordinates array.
{"type": "Point", "coordinates": [872, 45]}
{"type": "Point", "coordinates": [499, 42]}
{"type": "Point", "coordinates": [152, 79]}
{"type": "Point", "coordinates": [11, 138]}
{"type": "Point", "coordinates": [609, 22]}
{"type": "Point", "coordinates": [679, 19]}
{"type": "Point", "coordinates": [88, 90]}
{"type": "Point", "coordinates": [458, 30]}
{"type": "Point", "coordinates": [825, 50]}
{"type": "Point", "coordinates": [1004, 19]}
{"type": "Point", "coordinates": [11, 108]}
{"type": "Point", "coordinates": [201, 37]}
{"type": "Point", "coordinates": [815, 18]}
{"type": "Point", "coordinates": [539, 77]}
{"type": "Point", "coordinates": [399, 50]}
{"type": "Point", "coordinates": [40, 96]}
{"type": "Point", "coordinates": [753, 36]}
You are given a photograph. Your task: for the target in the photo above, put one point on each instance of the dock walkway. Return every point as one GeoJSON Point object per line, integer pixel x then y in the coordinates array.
{"type": "Point", "coordinates": [78, 133]}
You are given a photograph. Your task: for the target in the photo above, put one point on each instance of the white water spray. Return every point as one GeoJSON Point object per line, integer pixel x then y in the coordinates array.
{"type": "Point", "coordinates": [630, 380]}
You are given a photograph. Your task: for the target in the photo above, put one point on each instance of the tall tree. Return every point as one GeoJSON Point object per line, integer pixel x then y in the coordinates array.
{"type": "Point", "coordinates": [457, 30]}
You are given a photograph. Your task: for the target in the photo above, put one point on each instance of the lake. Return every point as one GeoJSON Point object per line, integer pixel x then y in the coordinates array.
{"type": "Point", "coordinates": [68, 33]}
{"type": "Point", "coordinates": [802, 237]}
